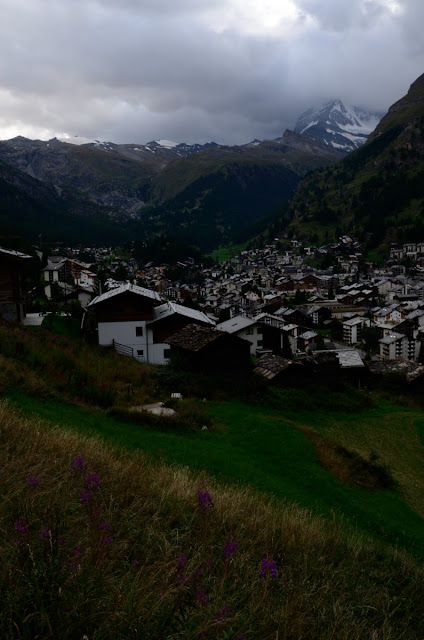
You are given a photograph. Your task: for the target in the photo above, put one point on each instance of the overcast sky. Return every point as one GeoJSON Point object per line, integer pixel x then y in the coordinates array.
{"type": "Point", "coordinates": [198, 70]}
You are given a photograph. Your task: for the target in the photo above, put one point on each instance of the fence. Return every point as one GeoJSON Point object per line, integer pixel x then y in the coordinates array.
{"type": "Point", "coordinates": [123, 349]}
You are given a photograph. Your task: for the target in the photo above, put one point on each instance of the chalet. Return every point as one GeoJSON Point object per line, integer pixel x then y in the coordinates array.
{"type": "Point", "coordinates": [133, 320]}
{"type": "Point", "coordinates": [317, 314]}
{"type": "Point", "coordinates": [280, 371]}
{"type": "Point", "coordinates": [333, 366]}
{"type": "Point", "coordinates": [274, 338]}
{"type": "Point", "coordinates": [209, 350]}
{"type": "Point", "coordinates": [168, 319]}
{"type": "Point", "coordinates": [12, 304]}
{"type": "Point", "coordinates": [55, 270]}
{"type": "Point", "coordinates": [307, 340]}
{"type": "Point", "coordinates": [122, 316]}
{"type": "Point", "coordinates": [246, 328]}
{"type": "Point", "coordinates": [392, 314]}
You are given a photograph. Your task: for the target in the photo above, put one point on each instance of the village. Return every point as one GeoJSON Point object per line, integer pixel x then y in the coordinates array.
{"type": "Point", "coordinates": [293, 311]}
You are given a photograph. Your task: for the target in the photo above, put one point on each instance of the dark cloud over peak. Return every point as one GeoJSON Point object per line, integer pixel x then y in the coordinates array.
{"type": "Point", "coordinates": [192, 70]}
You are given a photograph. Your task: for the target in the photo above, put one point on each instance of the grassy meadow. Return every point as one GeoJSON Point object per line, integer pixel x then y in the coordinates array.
{"type": "Point", "coordinates": [296, 514]}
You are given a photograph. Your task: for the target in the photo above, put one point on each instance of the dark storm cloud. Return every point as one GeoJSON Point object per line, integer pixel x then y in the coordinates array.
{"type": "Point", "coordinates": [132, 70]}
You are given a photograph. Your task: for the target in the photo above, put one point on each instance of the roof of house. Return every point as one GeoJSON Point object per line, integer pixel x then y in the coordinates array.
{"type": "Point", "coordinates": [308, 335]}
{"type": "Point", "coordinates": [270, 365]}
{"type": "Point", "coordinates": [353, 321]}
{"type": "Point", "coordinates": [344, 358]}
{"type": "Point", "coordinates": [236, 324]}
{"type": "Point", "coordinates": [132, 288]}
{"type": "Point", "coordinates": [393, 337]}
{"type": "Point", "coordinates": [349, 358]}
{"type": "Point", "coordinates": [170, 308]}
{"type": "Point", "coordinates": [195, 337]}
{"type": "Point", "coordinates": [14, 254]}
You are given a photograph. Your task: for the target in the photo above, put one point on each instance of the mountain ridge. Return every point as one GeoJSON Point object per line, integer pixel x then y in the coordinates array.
{"type": "Point", "coordinates": [167, 187]}
{"type": "Point", "coordinates": [377, 191]}
{"type": "Point", "coordinates": [337, 125]}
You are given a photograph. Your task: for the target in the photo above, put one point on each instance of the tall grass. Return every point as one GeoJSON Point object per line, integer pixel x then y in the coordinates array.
{"type": "Point", "coordinates": [100, 543]}
{"type": "Point", "coordinates": [68, 367]}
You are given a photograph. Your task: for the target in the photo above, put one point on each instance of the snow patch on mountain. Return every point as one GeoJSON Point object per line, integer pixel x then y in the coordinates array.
{"type": "Point", "coordinates": [338, 125]}
{"type": "Point", "coordinates": [78, 140]}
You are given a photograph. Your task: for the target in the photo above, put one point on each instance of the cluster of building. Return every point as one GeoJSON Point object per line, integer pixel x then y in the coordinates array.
{"type": "Point", "coordinates": [269, 303]}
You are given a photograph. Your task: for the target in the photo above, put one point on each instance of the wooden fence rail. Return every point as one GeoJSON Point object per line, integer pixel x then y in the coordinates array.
{"type": "Point", "coordinates": [123, 349]}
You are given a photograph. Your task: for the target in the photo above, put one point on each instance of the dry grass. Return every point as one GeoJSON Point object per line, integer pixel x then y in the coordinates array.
{"type": "Point", "coordinates": [394, 436]}
{"type": "Point", "coordinates": [140, 559]}
{"type": "Point", "coordinates": [349, 466]}
{"type": "Point", "coordinates": [49, 364]}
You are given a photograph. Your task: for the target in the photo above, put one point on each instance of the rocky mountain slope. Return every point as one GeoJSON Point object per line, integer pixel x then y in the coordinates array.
{"type": "Point", "coordinates": [204, 193]}
{"type": "Point", "coordinates": [377, 191]}
{"type": "Point", "coordinates": [337, 125]}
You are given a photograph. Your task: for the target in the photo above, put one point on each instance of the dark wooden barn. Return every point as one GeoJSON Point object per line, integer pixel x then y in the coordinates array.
{"type": "Point", "coordinates": [12, 301]}
{"type": "Point", "coordinates": [209, 350]}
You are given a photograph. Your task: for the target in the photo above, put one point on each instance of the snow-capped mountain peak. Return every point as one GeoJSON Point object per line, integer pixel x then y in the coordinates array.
{"type": "Point", "coordinates": [341, 126]}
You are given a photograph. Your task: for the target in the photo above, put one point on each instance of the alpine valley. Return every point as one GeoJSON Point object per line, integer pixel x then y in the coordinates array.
{"type": "Point", "coordinates": [81, 191]}
{"type": "Point", "coordinates": [333, 172]}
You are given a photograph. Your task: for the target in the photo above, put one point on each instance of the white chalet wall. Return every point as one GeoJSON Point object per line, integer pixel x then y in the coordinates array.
{"type": "Point", "coordinates": [125, 333]}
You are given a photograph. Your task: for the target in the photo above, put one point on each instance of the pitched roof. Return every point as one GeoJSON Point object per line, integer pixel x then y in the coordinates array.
{"type": "Point", "coordinates": [236, 324]}
{"type": "Point", "coordinates": [270, 365]}
{"type": "Point", "coordinates": [132, 288]}
{"type": "Point", "coordinates": [14, 254]}
{"type": "Point", "coordinates": [195, 337]}
{"type": "Point", "coordinates": [170, 308]}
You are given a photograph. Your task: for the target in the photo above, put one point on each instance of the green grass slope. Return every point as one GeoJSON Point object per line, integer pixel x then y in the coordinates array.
{"type": "Point", "coordinates": [101, 543]}
{"type": "Point", "coordinates": [343, 452]}
{"type": "Point", "coordinates": [298, 515]}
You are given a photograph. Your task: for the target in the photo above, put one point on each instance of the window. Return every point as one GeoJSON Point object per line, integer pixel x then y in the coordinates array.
{"type": "Point", "coordinates": [249, 331]}
{"type": "Point", "coordinates": [260, 343]}
{"type": "Point", "coordinates": [139, 331]}
{"type": "Point", "coordinates": [259, 331]}
{"type": "Point", "coordinates": [140, 352]}
{"type": "Point", "coordinates": [167, 353]}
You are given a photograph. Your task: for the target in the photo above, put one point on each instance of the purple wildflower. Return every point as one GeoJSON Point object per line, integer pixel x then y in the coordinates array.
{"type": "Point", "coordinates": [32, 481]}
{"type": "Point", "coordinates": [239, 636]}
{"type": "Point", "coordinates": [45, 534]}
{"type": "Point", "coordinates": [104, 526]}
{"type": "Point", "coordinates": [77, 464]}
{"type": "Point", "coordinates": [201, 595]}
{"type": "Point", "coordinates": [93, 479]}
{"type": "Point", "coordinates": [230, 549]}
{"type": "Point", "coordinates": [77, 552]}
{"type": "Point", "coordinates": [204, 500]}
{"type": "Point", "coordinates": [107, 541]}
{"type": "Point", "coordinates": [182, 563]}
{"type": "Point", "coordinates": [268, 567]}
{"type": "Point", "coordinates": [21, 526]}
{"type": "Point", "coordinates": [85, 496]}
{"type": "Point", "coordinates": [201, 635]}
